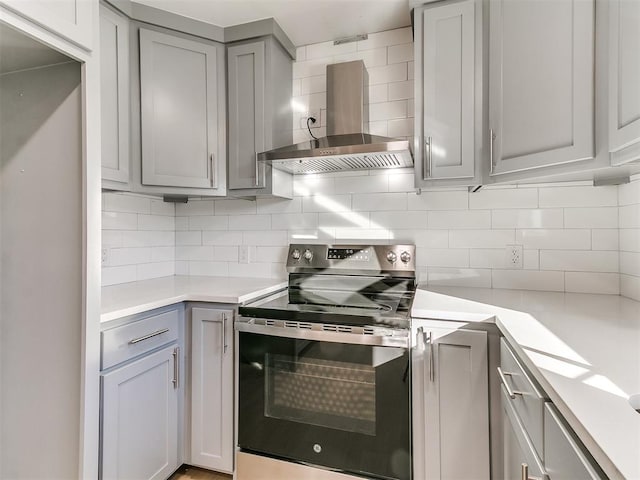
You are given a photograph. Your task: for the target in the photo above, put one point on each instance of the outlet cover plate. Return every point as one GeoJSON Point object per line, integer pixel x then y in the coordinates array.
{"type": "Point", "coordinates": [514, 256]}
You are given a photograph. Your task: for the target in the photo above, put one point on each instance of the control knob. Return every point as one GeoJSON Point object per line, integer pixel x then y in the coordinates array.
{"type": "Point", "coordinates": [295, 254]}
{"type": "Point", "coordinates": [308, 255]}
{"type": "Point", "coordinates": [405, 257]}
{"type": "Point", "coordinates": [391, 257]}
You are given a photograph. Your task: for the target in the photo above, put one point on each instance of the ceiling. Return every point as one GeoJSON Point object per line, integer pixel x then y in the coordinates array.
{"type": "Point", "coordinates": [304, 21]}
{"type": "Point", "coordinates": [19, 52]}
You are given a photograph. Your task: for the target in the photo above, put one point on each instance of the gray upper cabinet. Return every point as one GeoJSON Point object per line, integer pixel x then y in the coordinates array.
{"type": "Point", "coordinates": [260, 118]}
{"type": "Point", "coordinates": [448, 94]}
{"type": "Point", "coordinates": [71, 19]}
{"type": "Point", "coordinates": [541, 84]}
{"type": "Point", "coordinates": [114, 91]}
{"type": "Point", "coordinates": [624, 81]}
{"type": "Point", "coordinates": [182, 112]}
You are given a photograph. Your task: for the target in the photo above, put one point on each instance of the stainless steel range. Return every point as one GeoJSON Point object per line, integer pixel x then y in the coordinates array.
{"type": "Point", "coordinates": [324, 368]}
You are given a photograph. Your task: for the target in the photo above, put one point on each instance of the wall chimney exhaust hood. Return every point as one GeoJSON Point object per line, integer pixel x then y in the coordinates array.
{"type": "Point", "coordinates": [346, 146]}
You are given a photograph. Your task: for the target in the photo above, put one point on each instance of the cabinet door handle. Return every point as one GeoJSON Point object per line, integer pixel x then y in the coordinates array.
{"type": "Point", "coordinates": [212, 160]}
{"type": "Point", "coordinates": [176, 367]}
{"type": "Point", "coordinates": [148, 336]}
{"type": "Point", "coordinates": [257, 182]}
{"type": "Point", "coordinates": [224, 333]}
{"type": "Point", "coordinates": [429, 342]}
{"type": "Point", "coordinates": [503, 378]}
{"type": "Point", "coordinates": [525, 473]}
{"type": "Point", "coordinates": [492, 137]}
{"type": "Point", "coordinates": [426, 163]}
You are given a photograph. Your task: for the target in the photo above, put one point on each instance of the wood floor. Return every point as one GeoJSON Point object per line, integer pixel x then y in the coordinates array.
{"type": "Point", "coordinates": [193, 473]}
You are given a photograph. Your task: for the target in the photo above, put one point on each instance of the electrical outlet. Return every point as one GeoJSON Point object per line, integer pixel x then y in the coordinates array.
{"type": "Point", "coordinates": [311, 113]}
{"type": "Point", "coordinates": [105, 256]}
{"type": "Point", "coordinates": [514, 256]}
{"type": "Point", "coordinates": [243, 254]}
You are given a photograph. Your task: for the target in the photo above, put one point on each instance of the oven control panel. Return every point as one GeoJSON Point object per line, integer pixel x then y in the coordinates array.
{"type": "Point", "coordinates": [369, 258]}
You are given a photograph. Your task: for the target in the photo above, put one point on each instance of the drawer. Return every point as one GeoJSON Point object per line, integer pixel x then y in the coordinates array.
{"type": "Point", "coordinates": [127, 341]}
{"type": "Point", "coordinates": [518, 448]}
{"type": "Point", "coordinates": [528, 401]}
{"type": "Point", "coordinates": [565, 459]}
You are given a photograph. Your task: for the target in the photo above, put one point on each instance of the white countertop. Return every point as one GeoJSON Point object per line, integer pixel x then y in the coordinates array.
{"type": "Point", "coordinates": [583, 349]}
{"type": "Point", "coordinates": [136, 297]}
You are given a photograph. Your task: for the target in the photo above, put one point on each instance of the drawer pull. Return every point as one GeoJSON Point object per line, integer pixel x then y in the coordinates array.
{"type": "Point", "coordinates": [503, 378]}
{"type": "Point", "coordinates": [147, 337]}
{"type": "Point", "coordinates": [176, 367]}
{"type": "Point", "coordinates": [525, 473]}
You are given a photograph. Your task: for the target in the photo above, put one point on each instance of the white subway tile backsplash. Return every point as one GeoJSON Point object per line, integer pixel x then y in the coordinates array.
{"type": "Point", "coordinates": [377, 94]}
{"type": "Point", "coordinates": [194, 207]}
{"type": "Point", "coordinates": [271, 254]}
{"type": "Point", "coordinates": [222, 238]}
{"type": "Point", "coordinates": [361, 184]}
{"type": "Point", "coordinates": [459, 219]}
{"type": "Point", "coordinates": [423, 238]}
{"type": "Point", "coordinates": [210, 269]}
{"type": "Point", "coordinates": [182, 224]}
{"type": "Point", "coordinates": [326, 203]}
{"type": "Point", "coordinates": [629, 240]}
{"type": "Point", "coordinates": [459, 277]}
{"type": "Point", "coordinates": [271, 238]}
{"type": "Point", "coordinates": [371, 58]}
{"type": "Point", "coordinates": [481, 238]}
{"type": "Point", "coordinates": [528, 218]}
{"type": "Point", "coordinates": [401, 90]}
{"type": "Point", "coordinates": [400, 128]}
{"type": "Point", "coordinates": [387, 110]}
{"type": "Point", "coordinates": [629, 193]}
{"type": "Point", "coordinates": [531, 259]}
{"type": "Point", "coordinates": [279, 205]}
{"type": "Point", "coordinates": [194, 252]}
{"type": "Point", "coordinates": [504, 198]}
{"type": "Point", "coordinates": [315, 84]}
{"type": "Point", "coordinates": [400, 182]}
{"type": "Point", "coordinates": [630, 286]}
{"type": "Point", "coordinates": [630, 216]}
{"type": "Point", "coordinates": [235, 207]}
{"type": "Point", "coordinates": [579, 196]}
{"type": "Point", "coordinates": [119, 221]}
{"type": "Point", "coordinates": [309, 68]}
{"type": "Point", "coordinates": [118, 202]}
{"type": "Point", "coordinates": [200, 222]}
{"type": "Point", "coordinates": [111, 238]}
{"type": "Point", "coordinates": [226, 254]}
{"type": "Point", "coordinates": [579, 261]}
{"type": "Point", "coordinates": [588, 282]}
{"type": "Point", "coordinates": [387, 74]}
{"type": "Point", "coordinates": [117, 275]}
{"type": "Point", "coordinates": [400, 220]}
{"type": "Point", "coordinates": [133, 238]}
{"type": "Point", "coordinates": [358, 235]}
{"type": "Point", "coordinates": [159, 207]}
{"type": "Point", "coordinates": [328, 49]}
{"type": "Point", "coordinates": [400, 53]}
{"type": "Point", "coordinates": [189, 238]}
{"type": "Point", "coordinates": [442, 257]}
{"type": "Point", "coordinates": [146, 271]}
{"type": "Point", "coordinates": [128, 256]}
{"type": "Point", "coordinates": [257, 270]}
{"type": "Point", "coordinates": [591, 217]}
{"type": "Point", "coordinates": [554, 239]}
{"type": "Point", "coordinates": [343, 220]}
{"type": "Point", "coordinates": [528, 280]}
{"type": "Point", "coordinates": [373, 202]}
{"type": "Point", "coordinates": [630, 263]}
{"type": "Point", "coordinates": [605, 239]}
{"type": "Point", "coordinates": [156, 222]}
{"type": "Point", "coordinates": [301, 54]}
{"type": "Point", "coordinates": [293, 221]}
{"type": "Point", "coordinates": [163, 254]}
{"type": "Point", "coordinates": [250, 222]}
{"type": "Point", "coordinates": [444, 200]}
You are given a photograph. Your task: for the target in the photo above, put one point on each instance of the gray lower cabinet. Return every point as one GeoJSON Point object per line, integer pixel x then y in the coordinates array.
{"type": "Point", "coordinates": [182, 102]}
{"type": "Point", "coordinates": [212, 388]}
{"type": "Point", "coordinates": [260, 117]}
{"type": "Point", "coordinates": [537, 442]}
{"type": "Point", "coordinates": [142, 389]}
{"type": "Point", "coordinates": [624, 78]}
{"type": "Point", "coordinates": [114, 98]}
{"type": "Point", "coordinates": [450, 402]}
{"type": "Point", "coordinates": [541, 85]}
{"type": "Point", "coordinates": [448, 93]}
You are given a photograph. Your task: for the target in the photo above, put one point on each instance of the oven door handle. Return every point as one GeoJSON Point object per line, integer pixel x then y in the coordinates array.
{"type": "Point", "coordinates": [317, 333]}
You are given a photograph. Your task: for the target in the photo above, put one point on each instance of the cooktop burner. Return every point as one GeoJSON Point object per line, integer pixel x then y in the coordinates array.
{"type": "Point", "coordinates": [344, 284]}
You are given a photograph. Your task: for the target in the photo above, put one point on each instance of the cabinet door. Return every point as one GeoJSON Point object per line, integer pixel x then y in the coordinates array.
{"type": "Point", "coordinates": [140, 418]}
{"type": "Point", "coordinates": [114, 95]}
{"type": "Point", "coordinates": [182, 134]}
{"type": "Point", "coordinates": [541, 110]}
{"type": "Point", "coordinates": [447, 82]}
{"type": "Point", "coordinates": [212, 389]}
{"type": "Point", "coordinates": [624, 81]}
{"type": "Point", "coordinates": [72, 19]}
{"type": "Point", "coordinates": [451, 410]}
{"type": "Point", "coordinates": [246, 80]}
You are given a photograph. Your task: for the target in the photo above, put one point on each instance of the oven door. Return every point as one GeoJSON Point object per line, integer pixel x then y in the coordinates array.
{"type": "Point", "coordinates": [330, 398]}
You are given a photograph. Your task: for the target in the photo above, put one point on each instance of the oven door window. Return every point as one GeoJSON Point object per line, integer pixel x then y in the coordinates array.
{"type": "Point", "coordinates": [336, 405]}
{"type": "Point", "coordinates": [326, 393]}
